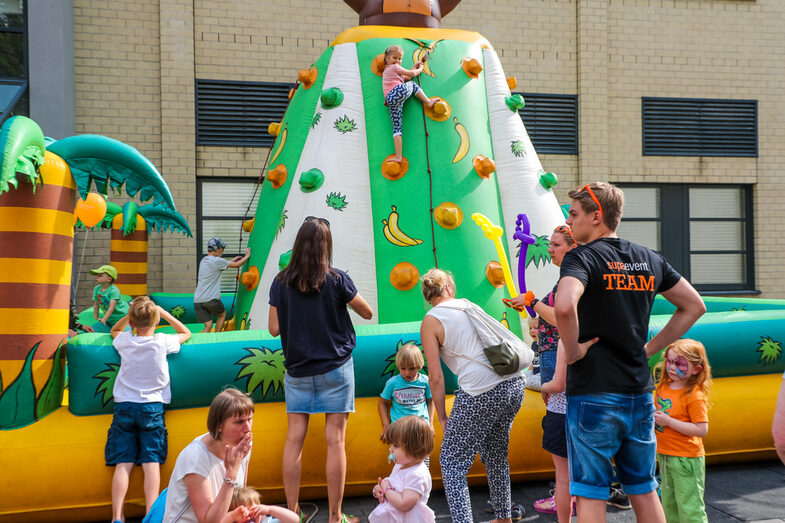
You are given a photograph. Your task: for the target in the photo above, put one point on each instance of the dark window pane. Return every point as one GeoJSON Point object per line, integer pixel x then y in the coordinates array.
{"type": "Point", "coordinates": [13, 99]}
{"type": "Point", "coordinates": [12, 55]}
{"type": "Point", "coordinates": [12, 14]}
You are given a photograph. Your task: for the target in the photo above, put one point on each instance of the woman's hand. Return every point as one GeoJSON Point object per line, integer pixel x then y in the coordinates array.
{"type": "Point", "coordinates": [234, 455]}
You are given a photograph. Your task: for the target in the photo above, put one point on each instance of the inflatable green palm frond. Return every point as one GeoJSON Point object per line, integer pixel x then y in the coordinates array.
{"type": "Point", "coordinates": [22, 143]}
{"type": "Point", "coordinates": [163, 219]}
{"type": "Point", "coordinates": [111, 163]}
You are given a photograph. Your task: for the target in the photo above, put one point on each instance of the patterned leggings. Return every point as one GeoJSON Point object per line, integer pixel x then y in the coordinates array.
{"type": "Point", "coordinates": [394, 100]}
{"type": "Point", "coordinates": [480, 424]}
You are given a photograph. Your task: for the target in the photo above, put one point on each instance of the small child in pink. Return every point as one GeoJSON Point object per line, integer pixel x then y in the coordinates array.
{"type": "Point", "coordinates": [403, 497]}
{"type": "Point", "coordinates": [398, 87]}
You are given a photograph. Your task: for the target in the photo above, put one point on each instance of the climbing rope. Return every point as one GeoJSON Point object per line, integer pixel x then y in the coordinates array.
{"type": "Point", "coordinates": [430, 180]}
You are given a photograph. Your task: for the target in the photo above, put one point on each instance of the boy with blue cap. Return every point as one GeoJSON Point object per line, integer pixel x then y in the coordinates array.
{"type": "Point", "coordinates": [207, 296]}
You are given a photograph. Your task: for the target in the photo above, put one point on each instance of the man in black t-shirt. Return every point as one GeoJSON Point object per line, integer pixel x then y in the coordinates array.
{"type": "Point", "coordinates": [605, 295]}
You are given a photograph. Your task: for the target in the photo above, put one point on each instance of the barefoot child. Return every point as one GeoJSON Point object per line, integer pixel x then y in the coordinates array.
{"type": "Point", "coordinates": [404, 495]}
{"type": "Point", "coordinates": [398, 87]}
{"type": "Point", "coordinates": [246, 507]}
{"type": "Point", "coordinates": [408, 393]}
{"type": "Point", "coordinates": [680, 424]}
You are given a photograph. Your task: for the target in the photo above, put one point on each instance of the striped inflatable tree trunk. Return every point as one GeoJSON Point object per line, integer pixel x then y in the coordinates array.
{"type": "Point", "coordinates": [129, 256]}
{"type": "Point", "coordinates": [36, 232]}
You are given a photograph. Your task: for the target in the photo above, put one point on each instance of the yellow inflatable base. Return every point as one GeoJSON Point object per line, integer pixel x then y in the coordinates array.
{"type": "Point", "coordinates": [54, 470]}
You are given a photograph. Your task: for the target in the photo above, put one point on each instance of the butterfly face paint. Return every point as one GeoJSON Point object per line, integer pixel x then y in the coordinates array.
{"type": "Point", "coordinates": [678, 366]}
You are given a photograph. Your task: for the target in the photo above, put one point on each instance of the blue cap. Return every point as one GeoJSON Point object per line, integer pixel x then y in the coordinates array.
{"type": "Point", "coordinates": [215, 243]}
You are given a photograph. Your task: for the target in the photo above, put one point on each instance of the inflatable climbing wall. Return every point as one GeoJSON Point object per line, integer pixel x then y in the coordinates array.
{"type": "Point", "coordinates": [469, 154]}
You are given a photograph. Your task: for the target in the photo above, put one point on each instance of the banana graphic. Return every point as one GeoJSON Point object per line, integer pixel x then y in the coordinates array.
{"type": "Point", "coordinates": [463, 148]}
{"type": "Point", "coordinates": [394, 234]}
{"type": "Point", "coordinates": [504, 321]}
{"type": "Point", "coordinates": [281, 143]}
{"type": "Point", "coordinates": [421, 53]}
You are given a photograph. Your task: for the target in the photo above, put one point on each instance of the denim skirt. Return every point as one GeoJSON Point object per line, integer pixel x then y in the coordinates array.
{"type": "Point", "coordinates": [331, 392]}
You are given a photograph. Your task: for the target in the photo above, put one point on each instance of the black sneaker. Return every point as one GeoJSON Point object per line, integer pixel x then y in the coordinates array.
{"type": "Point", "coordinates": [619, 499]}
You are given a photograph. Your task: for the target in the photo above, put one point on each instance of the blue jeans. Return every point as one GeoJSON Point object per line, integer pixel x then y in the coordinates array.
{"type": "Point", "coordinates": [605, 426]}
{"type": "Point", "coordinates": [547, 365]}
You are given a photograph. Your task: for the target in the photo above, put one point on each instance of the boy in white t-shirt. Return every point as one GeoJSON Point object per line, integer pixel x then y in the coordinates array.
{"type": "Point", "coordinates": [207, 296]}
{"type": "Point", "coordinates": [138, 433]}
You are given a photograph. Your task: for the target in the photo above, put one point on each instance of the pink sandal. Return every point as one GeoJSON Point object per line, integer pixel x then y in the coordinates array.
{"type": "Point", "coordinates": [548, 506]}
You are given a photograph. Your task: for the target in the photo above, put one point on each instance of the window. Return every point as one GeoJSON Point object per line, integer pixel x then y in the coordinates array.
{"type": "Point", "coordinates": [238, 113]}
{"type": "Point", "coordinates": [552, 122]}
{"type": "Point", "coordinates": [13, 59]}
{"type": "Point", "coordinates": [705, 231]}
{"type": "Point", "coordinates": [221, 208]}
{"type": "Point", "coordinates": [691, 127]}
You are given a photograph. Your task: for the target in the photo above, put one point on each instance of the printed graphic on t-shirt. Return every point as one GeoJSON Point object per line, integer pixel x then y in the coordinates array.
{"type": "Point", "coordinates": [410, 396]}
{"type": "Point", "coordinates": [664, 405]}
{"type": "Point", "coordinates": [619, 280]}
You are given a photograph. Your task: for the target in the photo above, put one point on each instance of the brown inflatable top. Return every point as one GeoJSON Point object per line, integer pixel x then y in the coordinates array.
{"type": "Point", "coordinates": [404, 13]}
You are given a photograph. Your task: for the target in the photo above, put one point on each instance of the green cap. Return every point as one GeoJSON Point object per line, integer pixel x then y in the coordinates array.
{"type": "Point", "coordinates": [106, 269]}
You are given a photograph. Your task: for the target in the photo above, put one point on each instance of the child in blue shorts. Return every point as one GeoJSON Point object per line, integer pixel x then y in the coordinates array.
{"type": "Point", "coordinates": [408, 393]}
{"type": "Point", "coordinates": [138, 433]}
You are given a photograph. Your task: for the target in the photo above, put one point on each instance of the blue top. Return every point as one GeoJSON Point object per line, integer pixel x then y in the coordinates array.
{"type": "Point", "coordinates": [317, 334]}
{"type": "Point", "coordinates": [408, 397]}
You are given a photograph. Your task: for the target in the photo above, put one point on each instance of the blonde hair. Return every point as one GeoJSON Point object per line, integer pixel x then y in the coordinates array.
{"type": "Point", "coordinates": [695, 353]}
{"type": "Point", "coordinates": [412, 434]}
{"type": "Point", "coordinates": [227, 404]}
{"type": "Point", "coordinates": [392, 49]}
{"type": "Point", "coordinates": [143, 312]}
{"type": "Point", "coordinates": [409, 356]}
{"type": "Point", "coordinates": [245, 496]}
{"type": "Point", "coordinates": [611, 200]}
{"type": "Point", "coordinates": [435, 283]}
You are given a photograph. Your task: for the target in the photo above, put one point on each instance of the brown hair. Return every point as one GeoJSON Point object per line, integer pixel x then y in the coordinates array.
{"type": "Point", "coordinates": [695, 353]}
{"type": "Point", "coordinates": [435, 283]}
{"type": "Point", "coordinates": [409, 355]}
{"type": "Point", "coordinates": [312, 256]}
{"type": "Point", "coordinates": [143, 312]}
{"type": "Point", "coordinates": [227, 404]}
{"type": "Point", "coordinates": [390, 50]}
{"type": "Point", "coordinates": [245, 496]}
{"type": "Point", "coordinates": [413, 434]}
{"type": "Point", "coordinates": [611, 200]}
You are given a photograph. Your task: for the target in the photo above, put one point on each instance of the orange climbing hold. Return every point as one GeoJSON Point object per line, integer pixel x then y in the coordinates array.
{"type": "Point", "coordinates": [404, 276]}
{"type": "Point", "coordinates": [248, 224]}
{"type": "Point", "coordinates": [472, 67]}
{"type": "Point", "coordinates": [378, 65]}
{"type": "Point", "coordinates": [277, 176]}
{"type": "Point", "coordinates": [483, 166]}
{"type": "Point", "coordinates": [448, 215]}
{"type": "Point", "coordinates": [274, 128]}
{"type": "Point", "coordinates": [495, 274]}
{"type": "Point", "coordinates": [394, 170]}
{"type": "Point", "coordinates": [512, 82]}
{"type": "Point", "coordinates": [250, 278]}
{"type": "Point", "coordinates": [439, 111]}
{"type": "Point", "coordinates": [307, 77]}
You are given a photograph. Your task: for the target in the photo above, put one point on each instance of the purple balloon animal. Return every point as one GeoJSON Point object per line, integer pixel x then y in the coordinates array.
{"type": "Point", "coordinates": [523, 234]}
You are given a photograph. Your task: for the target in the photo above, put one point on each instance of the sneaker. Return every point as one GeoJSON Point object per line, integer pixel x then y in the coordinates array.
{"type": "Point", "coordinates": [517, 511]}
{"type": "Point", "coordinates": [551, 488]}
{"type": "Point", "coordinates": [619, 499]}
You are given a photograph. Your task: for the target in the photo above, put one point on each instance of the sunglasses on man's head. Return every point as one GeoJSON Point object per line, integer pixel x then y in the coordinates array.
{"type": "Point", "coordinates": [593, 197]}
{"type": "Point", "coordinates": [324, 221]}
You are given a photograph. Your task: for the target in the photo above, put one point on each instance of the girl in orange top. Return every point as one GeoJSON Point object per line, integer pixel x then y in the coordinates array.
{"type": "Point", "coordinates": [681, 422]}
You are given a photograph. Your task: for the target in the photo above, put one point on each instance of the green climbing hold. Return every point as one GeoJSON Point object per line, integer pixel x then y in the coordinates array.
{"type": "Point", "coordinates": [311, 180]}
{"type": "Point", "coordinates": [332, 98]}
{"type": "Point", "coordinates": [548, 180]}
{"type": "Point", "coordinates": [515, 102]}
{"type": "Point", "coordinates": [284, 259]}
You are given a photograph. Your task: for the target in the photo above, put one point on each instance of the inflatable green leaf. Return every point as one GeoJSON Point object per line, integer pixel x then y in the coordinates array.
{"type": "Point", "coordinates": [164, 219]}
{"type": "Point", "coordinates": [17, 404]}
{"type": "Point", "coordinates": [22, 142]}
{"type": "Point", "coordinates": [51, 396]}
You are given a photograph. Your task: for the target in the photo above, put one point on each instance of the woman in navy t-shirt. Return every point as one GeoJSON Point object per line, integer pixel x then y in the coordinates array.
{"type": "Point", "coordinates": [308, 302]}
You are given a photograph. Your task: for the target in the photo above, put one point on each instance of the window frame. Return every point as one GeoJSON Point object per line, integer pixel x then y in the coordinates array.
{"type": "Point", "coordinates": [24, 81]}
{"type": "Point", "coordinates": [532, 129]}
{"type": "Point", "coordinates": [675, 216]}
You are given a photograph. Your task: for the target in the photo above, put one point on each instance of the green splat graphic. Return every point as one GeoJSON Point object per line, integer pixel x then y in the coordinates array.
{"type": "Point", "coordinates": [264, 370]}
{"type": "Point", "coordinates": [337, 201]}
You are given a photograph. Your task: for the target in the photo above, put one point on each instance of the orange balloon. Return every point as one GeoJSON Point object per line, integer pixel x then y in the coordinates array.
{"type": "Point", "coordinates": [91, 210]}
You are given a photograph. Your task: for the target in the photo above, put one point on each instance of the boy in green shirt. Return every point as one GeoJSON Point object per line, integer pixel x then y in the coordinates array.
{"type": "Point", "coordinates": [108, 305]}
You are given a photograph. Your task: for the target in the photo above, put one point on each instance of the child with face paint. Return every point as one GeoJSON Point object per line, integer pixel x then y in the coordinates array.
{"type": "Point", "coordinates": [681, 421]}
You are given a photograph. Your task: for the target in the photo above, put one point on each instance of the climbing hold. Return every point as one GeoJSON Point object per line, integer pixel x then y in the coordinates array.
{"type": "Point", "coordinates": [307, 77]}
{"type": "Point", "coordinates": [439, 111]}
{"type": "Point", "coordinates": [291, 93]}
{"type": "Point", "coordinates": [483, 166]}
{"type": "Point", "coordinates": [471, 66]}
{"type": "Point", "coordinates": [311, 180]}
{"type": "Point", "coordinates": [277, 176]}
{"type": "Point", "coordinates": [512, 82]}
{"type": "Point", "coordinates": [284, 259]}
{"type": "Point", "coordinates": [448, 215]}
{"type": "Point", "coordinates": [515, 102]}
{"type": "Point", "coordinates": [378, 65]}
{"type": "Point", "coordinates": [548, 180]}
{"type": "Point", "coordinates": [331, 98]}
{"type": "Point", "coordinates": [495, 274]}
{"type": "Point", "coordinates": [274, 128]}
{"type": "Point", "coordinates": [404, 276]}
{"type": "Point", "coordinates": [250, 278]}
{"type": "Point", "coordinates": [394, 170]}
{"type": "Point", "coordinates": [248, 224]}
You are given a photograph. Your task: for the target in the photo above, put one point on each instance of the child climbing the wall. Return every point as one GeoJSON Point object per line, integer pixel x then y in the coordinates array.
{"type": "Point", "coordinates": [403, 496]}
{"type": "Point", "coordinates": [398, 87]}
{"type": "Point", "coordinates": [207, 296]}
{"type": "Point", "coordinates": [246, 507]}
{"type": "Point", "coordinates": [408, 393]}
{"type": "Point", "coordinates": [681, 422]}
{"type": "Point", "coordinates": [108, 304]}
